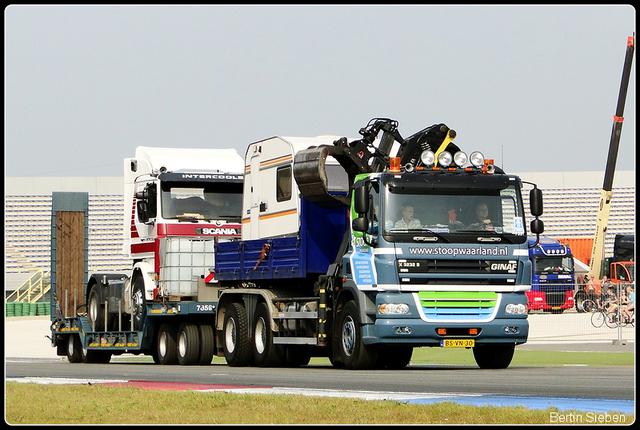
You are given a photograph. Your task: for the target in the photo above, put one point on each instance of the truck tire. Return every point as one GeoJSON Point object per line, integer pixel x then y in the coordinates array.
{"type": "Point", "coordinates": [495, 356]}
{"type": "Point", "coordinates": [207, 344]}
{"type": "Point", "coordinates": [579, 300]}
{"type": "Point", "coordinates": [265, 353]}
{"type": "Point", "coordinates": [167, 349]}
{"type": "Point", "coordinates": [139, 303]}
{"type": "Point", "coordinates": [354, 353]}
{"type": "Point", "coordinates": [74, 349]}
{"type": "Point", "coordinates": [235, 336]}
{"type": "Point", "coordinates": [95, 313]}
{"type": "Point", "coordinates": [188, 344]}
{"type": "Point", "coordinates": [394, 357]}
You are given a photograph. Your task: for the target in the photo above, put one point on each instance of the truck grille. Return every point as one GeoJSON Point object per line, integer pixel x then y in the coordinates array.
{"type": "Point", "coordinates": [458, 305]}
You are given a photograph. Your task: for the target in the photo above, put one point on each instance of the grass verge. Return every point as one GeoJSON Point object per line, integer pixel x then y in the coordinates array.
{"type": "Point", "coordinates": [100, 404]}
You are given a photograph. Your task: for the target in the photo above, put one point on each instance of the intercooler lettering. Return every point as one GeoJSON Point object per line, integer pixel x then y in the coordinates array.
{"type": "Point", "coordinates": [454, 252]}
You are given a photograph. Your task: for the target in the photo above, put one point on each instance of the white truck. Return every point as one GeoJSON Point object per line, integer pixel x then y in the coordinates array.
{"type": "Point", "coordinates": [178, 204]}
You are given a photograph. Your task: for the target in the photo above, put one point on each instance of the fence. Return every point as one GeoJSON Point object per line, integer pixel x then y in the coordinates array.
{"type": "Point", "coordinates": [575, 324]}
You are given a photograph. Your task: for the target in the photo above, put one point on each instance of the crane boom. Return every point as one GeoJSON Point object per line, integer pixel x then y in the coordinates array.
{"type": "Point", "coordinates": [606, 195]}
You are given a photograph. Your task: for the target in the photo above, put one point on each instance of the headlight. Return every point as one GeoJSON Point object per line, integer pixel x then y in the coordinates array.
{"type": "Point", "coordinates": [477, 159]}
{"type": "Point", "coordinates": [460, 158]}
{"type": "Point", "coordinates": [428, 158]}
{"type": "Point", "coordinates": [515, 309]}
{"type": "Point", "coordinates": [393, 308]}
{"type": "Point", "coordinates": [445, 159]}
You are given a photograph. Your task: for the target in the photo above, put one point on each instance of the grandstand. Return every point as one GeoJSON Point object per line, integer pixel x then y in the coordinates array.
{"type": "Point", "coordinates": [570, 209]}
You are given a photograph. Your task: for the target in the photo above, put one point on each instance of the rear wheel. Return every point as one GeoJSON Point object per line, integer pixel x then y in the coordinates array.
{"type": "Point", "coordinates": [353, 352]}
{"type": "Point", "coordinates": [265, 353]}
{"type": "Point", "coordinates": [95, 312]}
{"type": "Point", "coordinates": [235, 336]}
{"type": "Point", "coordinates": [167, 349]}
{"type": "Point", "coordinates": [207, 344]}
{"type": "Point", "coordinates": [188, 344]}
{"type": "Point", "coordinates": [495, 356]}
{"type": "Point", "coordinates": [74, 349]}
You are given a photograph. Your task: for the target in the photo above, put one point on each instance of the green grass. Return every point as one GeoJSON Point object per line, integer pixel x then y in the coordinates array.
{"type": "Point", "coordinates": [100, 404]}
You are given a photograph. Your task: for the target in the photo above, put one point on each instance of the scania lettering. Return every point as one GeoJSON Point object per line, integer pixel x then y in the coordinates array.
{"type": "Point", "coordinates": [330, 264]}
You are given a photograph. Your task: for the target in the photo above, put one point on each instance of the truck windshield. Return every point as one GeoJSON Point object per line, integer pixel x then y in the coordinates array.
{"type": "Point", "coordinates": [553, 265]}
{"type": "Point", "coordinates": [205, 201]}
{"type": "Point", "coordinates": [453, 214]}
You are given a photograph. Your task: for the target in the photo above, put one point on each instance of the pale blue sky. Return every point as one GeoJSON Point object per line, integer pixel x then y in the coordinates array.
{"type": "Point", "coordinates": [534, 87]}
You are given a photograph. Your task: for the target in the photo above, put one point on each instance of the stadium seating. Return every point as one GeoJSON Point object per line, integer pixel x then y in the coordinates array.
{"type": "Point", "coordinates": [568, 212]}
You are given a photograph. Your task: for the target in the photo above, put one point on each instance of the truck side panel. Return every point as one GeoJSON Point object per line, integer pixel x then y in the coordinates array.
{"type": "Point", "coordinates": [286, 257]}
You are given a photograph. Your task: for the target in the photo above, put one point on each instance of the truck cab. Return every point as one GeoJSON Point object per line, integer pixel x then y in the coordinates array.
{"type": "Point", "coordinates": [553, 280]}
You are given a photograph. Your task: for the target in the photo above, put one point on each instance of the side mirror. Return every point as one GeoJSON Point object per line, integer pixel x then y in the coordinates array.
{"type": "Point", "coordinates": [146, 204]}
{"type": "Point", "coordinates": [360, 224]}
{"type": "Point", "coordinates": [361, 198]}
{"type": "Point", "coordinates": [535, 201]}
{"type": "Point", "coordinates": [537, 226]}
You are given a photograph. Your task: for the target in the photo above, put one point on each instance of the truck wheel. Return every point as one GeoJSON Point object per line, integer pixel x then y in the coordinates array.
{"type": "Point", "coordinates": [235, 336]}
{"type": "Point", "coordinates": [188, 344]}
{"type": "Point", "coordinates": [74, 349]}
{"type": "Point", "coordinates": [394, 357]}
{"type": "Point", "coordinates": [354, 353]}
{"type": "Point", "coordinates": [95, 312]}
{"type": "Point", "coordinates": [495, 356]}
{"type": "Point", "coordinates": [265, 353]}
{"type": "Point", "coordinates": [139, 303]}
{"type": "Point", "coordinates": [167, 349]}
{"type": "Point", "coordinates": [580, 300]}
{"type": "Point", "coordinates": [207, 344]}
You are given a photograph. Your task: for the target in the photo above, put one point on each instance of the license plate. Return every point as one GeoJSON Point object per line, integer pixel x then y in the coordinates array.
{"type": "Point", "coordinates": [457, 343]}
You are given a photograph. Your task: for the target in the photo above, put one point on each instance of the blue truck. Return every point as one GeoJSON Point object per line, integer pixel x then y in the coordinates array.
{"type": "Point", "coordinates": [362, 250]}
{"type": "Point", "coordinates": [553, 278]}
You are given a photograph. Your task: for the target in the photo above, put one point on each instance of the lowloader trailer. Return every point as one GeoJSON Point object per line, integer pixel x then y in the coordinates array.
{"type": "Point", "coordinates": [178, 204]}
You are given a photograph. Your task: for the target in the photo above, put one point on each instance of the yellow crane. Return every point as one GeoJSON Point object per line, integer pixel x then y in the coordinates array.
{"type": "Point", "coordinates": [606, 195]}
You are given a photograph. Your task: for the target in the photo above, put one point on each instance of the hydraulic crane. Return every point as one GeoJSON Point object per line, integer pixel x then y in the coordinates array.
{"type": "Point", "coordinates": [606, 195]}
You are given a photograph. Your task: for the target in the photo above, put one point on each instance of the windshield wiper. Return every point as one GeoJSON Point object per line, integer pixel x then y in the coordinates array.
{"type": "Point", "coordinates": [495, 237]}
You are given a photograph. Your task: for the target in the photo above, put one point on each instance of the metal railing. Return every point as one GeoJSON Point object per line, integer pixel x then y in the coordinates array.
{"type": "Point", "coordinates": [33, 289]}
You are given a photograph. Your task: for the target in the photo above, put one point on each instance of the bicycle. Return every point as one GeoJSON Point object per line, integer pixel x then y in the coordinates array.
{"type": "Point", "coordinates": [601, 316]}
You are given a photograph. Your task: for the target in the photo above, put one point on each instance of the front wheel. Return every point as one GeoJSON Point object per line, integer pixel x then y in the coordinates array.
{"type": "Point", "coordinates": [235, 336]}
{"type": "Point", "coordinates": [495, 356]}
{"type": "Point", "coordinates": [353, 352]}
{"type": "Point", "coordinates": [597, 319]}
{"type": "Point", "coordinates": [139, 302]}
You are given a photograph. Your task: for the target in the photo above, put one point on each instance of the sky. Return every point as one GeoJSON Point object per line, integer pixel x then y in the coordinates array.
{"type": "Point", "coordinates": [533, 87]}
